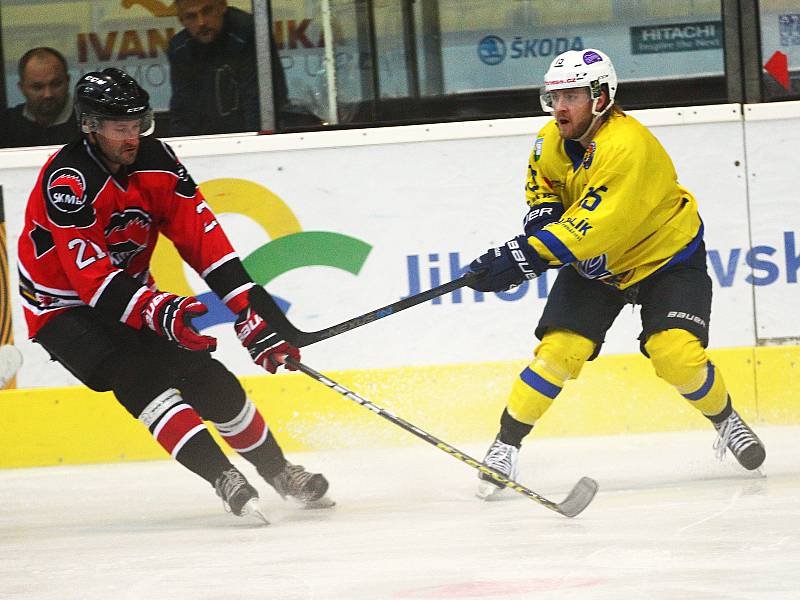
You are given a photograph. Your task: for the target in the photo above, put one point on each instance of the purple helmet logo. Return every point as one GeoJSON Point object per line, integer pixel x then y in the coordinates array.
{"type": "Point", "coordinates": [591, 57]}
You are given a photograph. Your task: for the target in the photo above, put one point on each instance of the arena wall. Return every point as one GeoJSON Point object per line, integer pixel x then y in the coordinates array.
{"type": "Point", "coordinates": [338, 223]}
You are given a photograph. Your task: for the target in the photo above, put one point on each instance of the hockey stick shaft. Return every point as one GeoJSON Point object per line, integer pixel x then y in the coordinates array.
{"type": "Point", "coordinates": [271, 312]}
{"type": "Point", "coordinates": [578, 499]}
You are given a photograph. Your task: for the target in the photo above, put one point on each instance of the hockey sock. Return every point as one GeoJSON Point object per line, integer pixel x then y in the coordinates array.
{"type": "Point", "coordinates": [181, 432]}
{"type": "Point", "coordinates": [511, 430]}
{"type": "Point", "coordinates": [248, 434]}
{"type": "Point", "coordinates": [559, 357]}
{"type": "Point", "coordinates": [680, 359]}
{"type": "Point", "coordinates": [722, 416]}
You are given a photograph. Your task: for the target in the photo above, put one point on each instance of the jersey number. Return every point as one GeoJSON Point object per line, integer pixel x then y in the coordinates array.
{"type": "Point", "coordinates": [82, 260]}
{"type": "Point", "coordinates": [592, 198]}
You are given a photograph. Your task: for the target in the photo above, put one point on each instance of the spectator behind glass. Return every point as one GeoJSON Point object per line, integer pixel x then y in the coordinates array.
{"type": "Point", "coordinates": [213, 73]}
{"type": "Point", "coordinates": [45, 118]}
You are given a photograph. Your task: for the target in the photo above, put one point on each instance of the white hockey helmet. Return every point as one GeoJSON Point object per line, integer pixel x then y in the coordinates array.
{"type": "Point", "coordinates": [589, 68]}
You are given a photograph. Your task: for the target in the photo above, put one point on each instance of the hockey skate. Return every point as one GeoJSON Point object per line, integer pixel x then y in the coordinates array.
{"type": "Point", "coordinates": [735, 435]}
{"type": "Point", "coordinates": [238, 496]}
{"type": "Point", "coordinates": [503, 459]}
{"type": "Point", "coordinates": [306, 488]}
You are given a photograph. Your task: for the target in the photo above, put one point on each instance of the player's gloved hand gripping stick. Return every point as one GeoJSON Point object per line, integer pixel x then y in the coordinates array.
{"type": "Point", "coordinates": [264, 305]}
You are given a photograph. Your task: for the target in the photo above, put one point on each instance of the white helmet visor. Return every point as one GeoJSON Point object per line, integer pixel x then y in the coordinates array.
{"type": "Point", "coordinates": [568, 98]}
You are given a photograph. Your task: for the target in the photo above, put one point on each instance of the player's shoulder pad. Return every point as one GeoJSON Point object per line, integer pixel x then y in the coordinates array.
{"type": "Point", "coordinates": [155, 155]}
{"type": "Point", "coordinates": [623, 141]}
{"type": "Point", "coordinates": [71, 181]}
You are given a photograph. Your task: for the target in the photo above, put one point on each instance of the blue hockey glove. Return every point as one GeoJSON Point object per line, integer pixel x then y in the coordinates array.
{"type": "Point", "coordinates": [507, 266]}
{"type": "Point", "coordinates": [541, 215]}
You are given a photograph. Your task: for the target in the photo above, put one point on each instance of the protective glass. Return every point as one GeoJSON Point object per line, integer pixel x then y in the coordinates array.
{"type": "Point", "coordinates": [569, 98]}
{"type": "Point", "coordinates": [119, 129]}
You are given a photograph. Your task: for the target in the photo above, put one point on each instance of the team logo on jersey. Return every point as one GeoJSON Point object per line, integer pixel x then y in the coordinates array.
{"type": "Point", "coordinates": [588, 156]}
{"type": "Point", "coordinates": [66, 189]}
{"type": "Point", "coordinates": [594, 268]}
{"type": "Point", "coordinates": [127, 235]}
{"type": "Point", "coordinates": [537, 148]}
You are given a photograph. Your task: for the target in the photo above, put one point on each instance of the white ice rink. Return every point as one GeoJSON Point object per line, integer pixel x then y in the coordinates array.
{"type": "Point", "coordinates": [668, 522]}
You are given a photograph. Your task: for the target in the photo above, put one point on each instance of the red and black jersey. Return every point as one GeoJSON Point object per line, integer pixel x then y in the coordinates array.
{"type": "Point", "coordinates": [89, 235]}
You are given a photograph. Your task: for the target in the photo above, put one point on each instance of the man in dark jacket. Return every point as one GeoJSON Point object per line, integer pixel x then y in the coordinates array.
{"type": "Point", "coordinates": [45, 118]}
{"type": "Point", "coordinates": [213, 71]}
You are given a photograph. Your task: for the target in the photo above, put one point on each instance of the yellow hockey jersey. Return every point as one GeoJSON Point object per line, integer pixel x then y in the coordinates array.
{"type": "Point", "coordinates": [625, 215]}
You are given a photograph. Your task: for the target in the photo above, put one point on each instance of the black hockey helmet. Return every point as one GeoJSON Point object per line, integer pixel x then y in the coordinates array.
{"type": "Point", "coordinates": [114, 95]}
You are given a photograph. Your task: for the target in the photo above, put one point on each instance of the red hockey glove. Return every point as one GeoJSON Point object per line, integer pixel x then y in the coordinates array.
{"type": "Point", "coordinates": [170, 316]}
{"type": "Point", "coordinates": [262, 341]}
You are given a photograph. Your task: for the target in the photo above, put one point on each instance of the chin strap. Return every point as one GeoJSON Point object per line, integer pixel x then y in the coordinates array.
{"type": "Point", "coordinates": [586, 137]}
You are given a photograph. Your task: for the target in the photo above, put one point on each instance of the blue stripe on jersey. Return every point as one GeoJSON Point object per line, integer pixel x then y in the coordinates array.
{"type": "Point", "coordinates": [556, 246]}
{"type": "Point", "coordinates": [539, 383]}
{"type": "Point", "coordinates": [701, 393]}
{"type": "Point", "coordinates": [686, 252]}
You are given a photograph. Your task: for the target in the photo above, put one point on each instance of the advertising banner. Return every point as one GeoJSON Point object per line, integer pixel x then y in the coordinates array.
{"type": "Point", "coordinates": [775, 222]}
{"type": "Point", "coordinates": [334, 232]}
{"type": "Point", "coordinates": [134, 34]}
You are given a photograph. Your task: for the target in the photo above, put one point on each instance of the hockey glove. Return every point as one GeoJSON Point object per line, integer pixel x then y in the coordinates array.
{"type": "Point", "coordinates": [170, 316]}
{"type": "Point", "coordinates": [507, 266]}
{"type": "Point", "coordinates": [540, 215]}
{"type": "Point", "coordinates": [262, 341]}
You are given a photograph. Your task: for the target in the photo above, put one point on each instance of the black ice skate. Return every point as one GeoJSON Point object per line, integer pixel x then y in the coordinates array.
{"type": "Point", "coordinates": [502, 458]}
{"type": "Point", "coordinates": [735, 435]}
{"type": "Point", "coordinates": [238, 496]}
{"type": "Point", "coordinates": [307, 488]}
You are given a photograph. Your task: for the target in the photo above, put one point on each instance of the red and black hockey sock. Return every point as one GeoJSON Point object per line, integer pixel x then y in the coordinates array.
{"type": "Point", "coordinates": [181, 432]}
{"type": "Point", "coordinates": [248, 434]}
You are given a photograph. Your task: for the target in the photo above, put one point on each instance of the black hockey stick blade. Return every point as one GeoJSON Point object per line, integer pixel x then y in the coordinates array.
{"type": "Point", "coordinates": [577, 500]}
{"type": "Point", "coordinates": [265, 306]}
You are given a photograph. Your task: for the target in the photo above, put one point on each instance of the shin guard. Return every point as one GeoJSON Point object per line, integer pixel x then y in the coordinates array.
{"type": "Point", "coordinates": [680, 359]}
{"type": "Point", "coordinates": [559, 357]}
{"type": "Point", "coordinates": [248, 434]}
{"type": "Point", "coordinates": [181, 432]}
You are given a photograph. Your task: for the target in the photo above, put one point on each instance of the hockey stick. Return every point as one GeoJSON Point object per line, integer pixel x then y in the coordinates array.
{"type": "Point", "coordinates": [265, 306]}
{"type": "Point", "coordinates": [578, 499]}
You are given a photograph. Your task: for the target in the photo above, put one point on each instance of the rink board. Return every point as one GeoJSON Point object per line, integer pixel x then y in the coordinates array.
{"type": "Point", "coordinates": [458, 403]}
{"type": "Point", "coordinates": [338, 223]}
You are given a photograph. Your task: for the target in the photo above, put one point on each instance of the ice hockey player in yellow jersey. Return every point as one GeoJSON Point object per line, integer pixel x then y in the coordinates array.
{"type": "Point", "coordinates": [604, 203]}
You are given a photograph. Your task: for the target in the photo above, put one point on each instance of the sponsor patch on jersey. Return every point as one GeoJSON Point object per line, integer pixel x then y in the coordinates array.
{"type": "Point", "coordinates": [588, 156]}
{"type": "Point", "coordinates": [594, 268]}
{"type": "Point", "coordinates": [127, 235]}
{"type": "Point", "coordinates": [537, 148]}
{"type": "Point", "coordinates": [66, 189]}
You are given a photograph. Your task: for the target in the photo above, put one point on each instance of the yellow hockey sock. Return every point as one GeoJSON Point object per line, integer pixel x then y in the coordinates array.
{"type": "Point", "coordinates": [680, 359]}
{"type": "Point", "coordinates": [559, 357]}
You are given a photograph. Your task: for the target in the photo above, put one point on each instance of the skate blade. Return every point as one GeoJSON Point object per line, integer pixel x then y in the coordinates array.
{"type": "Point", "coordinates": [488, 491]}
{"type": "Point", "coordinates": [253, 509]}
{"type": "Point", "coordinates": [323, 502]}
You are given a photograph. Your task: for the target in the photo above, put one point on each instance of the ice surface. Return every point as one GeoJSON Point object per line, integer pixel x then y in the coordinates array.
{"type": "Point", "coordinates": [668, 522]}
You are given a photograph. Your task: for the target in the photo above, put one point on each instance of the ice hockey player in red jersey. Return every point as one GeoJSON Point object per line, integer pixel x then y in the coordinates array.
{"type": "Point", "coordinates": [91, 226]}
